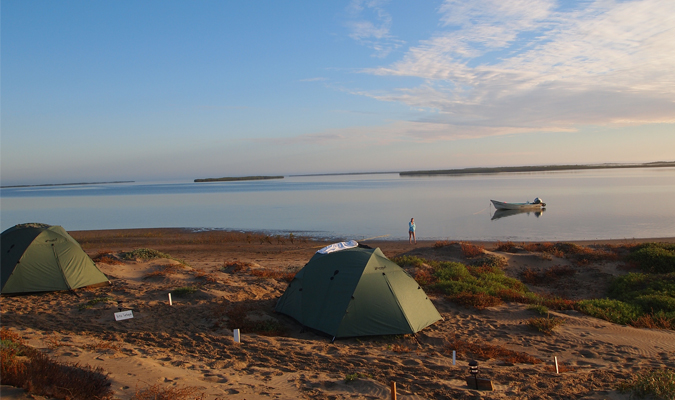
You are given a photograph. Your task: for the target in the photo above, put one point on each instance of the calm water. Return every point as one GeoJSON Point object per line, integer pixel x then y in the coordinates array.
{"type": "Point", "coordinates": [600, 204]}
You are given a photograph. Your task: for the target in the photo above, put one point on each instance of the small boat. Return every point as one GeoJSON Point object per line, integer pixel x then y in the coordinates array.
{"type": "Point", "coordinates": [537, 205]}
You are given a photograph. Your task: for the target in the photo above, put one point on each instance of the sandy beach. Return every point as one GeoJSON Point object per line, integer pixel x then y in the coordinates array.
{"type": "Point", "coordinates": [239, 277]}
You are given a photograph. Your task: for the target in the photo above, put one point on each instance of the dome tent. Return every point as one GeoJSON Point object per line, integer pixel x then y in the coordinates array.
{"type": "Point", "coordinates": [44, 258]}
{"type": "Point", "coordinates": [357, 292]}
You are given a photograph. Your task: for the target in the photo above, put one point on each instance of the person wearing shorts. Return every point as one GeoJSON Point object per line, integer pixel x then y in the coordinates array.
{"type": "Point", "coordinates": [411, 231]}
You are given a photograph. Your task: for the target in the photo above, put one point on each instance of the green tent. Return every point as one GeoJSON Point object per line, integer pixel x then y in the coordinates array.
{"type": "Point", "coordinates": [44, 258]}
{"type": "Point", "coordinates": [357, 292]}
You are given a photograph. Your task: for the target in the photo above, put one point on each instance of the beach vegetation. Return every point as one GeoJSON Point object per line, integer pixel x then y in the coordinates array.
{"type": "Point", "coordinates": [356, 375]}
{"type": "Point", "coordinates": [539, 309]}
{"type": "Point", "coordinates": [183, 291]}
{"type": "Point", "coordinates": [157, 392]}
{"type": "Point", "coordinates": [409, 261]}
{"type": "Point", "coordinates": [144, 254]}
{"type": "Point", "coordinates": [482, 351]}
{"type": "Point", "coordinates": [643, 300]}
{"type": "Point", "coordinates": [32, 370]}
{"type": "Point", "coordinates": [91, 303]}
{"type": "Point", "coordinates": [507, 247]}
{"type": "Point", "coordinates": [655, 258]}
{"type": "Point", "coordinates": [481, 284]}
{"type": "Point", "coordinates": [470, 250]}
{"type": "Point", "coordinates": [545, 325]}
{"type": "Point", "coordinates": [658, 383]}
{"type": "Point", "coordinates": [106, 257]}
{"type": "Point", "coordinates": [163, 270]}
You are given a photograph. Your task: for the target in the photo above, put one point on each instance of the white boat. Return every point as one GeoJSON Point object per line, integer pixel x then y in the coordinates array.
{"type": "Point", "coordinates": [537, 205]}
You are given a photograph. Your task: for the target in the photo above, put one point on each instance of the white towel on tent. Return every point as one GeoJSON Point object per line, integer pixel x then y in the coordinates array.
{"type": "Point", "coordinates": [338, 246]}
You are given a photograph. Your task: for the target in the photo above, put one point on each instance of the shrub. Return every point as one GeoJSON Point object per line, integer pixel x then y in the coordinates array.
{"type": "Point", "coordinates": [156, 392]}
{"type": "Point", "coordinates": [546, 324]}
{"type": "Point", "coordinates": [183, 291]}
{"type": "Point", "coordinates": [538, 308]}
{"type": "Point", "coordinates": [93, 302]}
{"type": "Point", "coordinates": [471, 250]}
{"type": "Point", "coordinates": [147, 254]}
{"type": "Point", "coordinates": [507, 247]}
{"type": "Point", "coordinates": [657, 258]}
{"type": "Point", "coordinates": [273, 274]}
{"type": "Point", "coordinates": [611, 310]}
{"type": "Point", "coordinates": [38, 374]}
{"type": "Point", "coordinates": [658, 383]}
{"type": "Point", "coordinates": [479, 301]}
{"type": "Point", "coordinates": [408, 261]}
{"type": "Point", "coordinates": [484, 351]}
{"type": "Point", "coordinates": [354, 376]}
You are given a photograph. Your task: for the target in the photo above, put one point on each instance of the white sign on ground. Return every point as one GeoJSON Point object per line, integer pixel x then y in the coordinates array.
{"type": "Point", "coordinates": [119, 316]}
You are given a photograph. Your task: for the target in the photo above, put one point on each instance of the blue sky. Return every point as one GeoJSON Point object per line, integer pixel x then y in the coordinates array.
{"type": "Point", "coordinates": [175, 90]}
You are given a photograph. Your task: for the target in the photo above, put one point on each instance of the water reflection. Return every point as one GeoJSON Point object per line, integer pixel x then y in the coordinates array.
{"type": "Point", "coordinates": [508, 213]}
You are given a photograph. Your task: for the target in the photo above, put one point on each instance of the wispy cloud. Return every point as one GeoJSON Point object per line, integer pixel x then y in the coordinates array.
{"type": "Point", "coordinates": [370, 25]}
{"type": "Point", "coordinates": [505, 66]}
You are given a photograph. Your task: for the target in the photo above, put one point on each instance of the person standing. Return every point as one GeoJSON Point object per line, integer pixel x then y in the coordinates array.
{"type": "Point", "coordinates": [411, 231]}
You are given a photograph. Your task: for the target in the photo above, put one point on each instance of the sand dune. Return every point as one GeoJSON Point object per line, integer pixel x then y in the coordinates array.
{"type": "Point", "coordinates": [189, 343]}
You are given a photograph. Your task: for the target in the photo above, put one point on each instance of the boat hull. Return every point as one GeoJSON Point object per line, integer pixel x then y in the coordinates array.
{"type": "Point", "coordinates": [500, 205]}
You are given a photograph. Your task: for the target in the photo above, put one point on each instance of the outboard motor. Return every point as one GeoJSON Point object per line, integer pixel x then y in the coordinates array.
{"type": "Point", "coordinates": [539, 201]}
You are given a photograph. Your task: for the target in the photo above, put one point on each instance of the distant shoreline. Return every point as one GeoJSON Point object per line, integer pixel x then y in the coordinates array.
{"type": "Point", "coordinates": [65, 184]}
{"type": "Point", "coordinates": [540, 168]}
{"type": "Point", "coordinates": [240, 178]}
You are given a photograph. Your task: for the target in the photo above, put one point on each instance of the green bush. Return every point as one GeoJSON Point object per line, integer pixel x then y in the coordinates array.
{"type": "Point", "coordinates": [656, 258]}
{"type": "Point", "coordinates": [659, 384]}
{"type": "Point", "coordinates": [183, 291]}
{"type": "Point", "coordinates": [611, 310]}
{"type": "Point", "coordinates": [408, 261]}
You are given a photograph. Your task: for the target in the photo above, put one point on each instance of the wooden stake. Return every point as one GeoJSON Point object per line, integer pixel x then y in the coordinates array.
{"type": "Point", "coordinates": [557, 371]}
{"type": "Point", "coordinates": [454, 356]}
{"type": "Point", "coordinates": [393, 390]}
{"type": "Point", "coordinates": [170, 302]}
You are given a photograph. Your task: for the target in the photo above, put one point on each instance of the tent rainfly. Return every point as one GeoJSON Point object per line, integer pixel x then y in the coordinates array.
{"type": "Point", "coordinates": [44, 258]}
{"type": "Point", "coordinates": [357, 292]}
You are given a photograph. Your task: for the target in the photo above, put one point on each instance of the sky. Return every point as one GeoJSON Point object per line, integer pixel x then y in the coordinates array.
{"type": "Point", "coordinates": [177, 90]}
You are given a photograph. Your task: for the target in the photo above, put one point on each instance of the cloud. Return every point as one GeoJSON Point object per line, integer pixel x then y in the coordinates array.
{"type": "Point", "coordinates": [500, 67]}
{"type": "Point", "coordinates": [370, 25]}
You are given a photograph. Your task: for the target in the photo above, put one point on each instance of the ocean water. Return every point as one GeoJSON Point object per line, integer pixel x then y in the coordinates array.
{"type": "Point", "coordinates": [593, 204]}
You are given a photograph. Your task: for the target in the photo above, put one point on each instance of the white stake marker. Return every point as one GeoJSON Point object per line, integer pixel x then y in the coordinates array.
{"type": "Point", "coordinates": [170, 302]}
{"type": "Point", "coordinates": [454, 354]}
{"type": "Point", "coordinates": [556, 365]}
{"type": "Point", "coordinates": [237, 336]}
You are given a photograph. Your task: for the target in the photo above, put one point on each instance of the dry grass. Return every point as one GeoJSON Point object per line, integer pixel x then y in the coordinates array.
{"type": "Point", "coordinates": [651, 321]}
{"type": "Point", "coordinates": [106, 257]}
{"type": "Point", "coordinates": [465, 350]}
{"type": "Point", "coordinates": [52, 342]}
{"type": "Point", "coordinates": [156, 392]}
{"type": "Point", "coordinates": [273, 274]}
{"type": "Point", "coordinates": [471, 250]}
{"type": "Point", "coordinates": [163, 271]}
{"type": "Point", "coordinates": [507, 247]}
{"type": "Point", "coordinates": [33, 371]}
{"type": "Point", "coordinates": [478, 301]}
{"type": "Point", "coordinates": [210, 278]}
{"type": "Point", "coordinates": [545, 325]}
{"type": "Point", "coordinates": [236, 266]}
{"type": "Point", "coordinates": [442, 243]}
